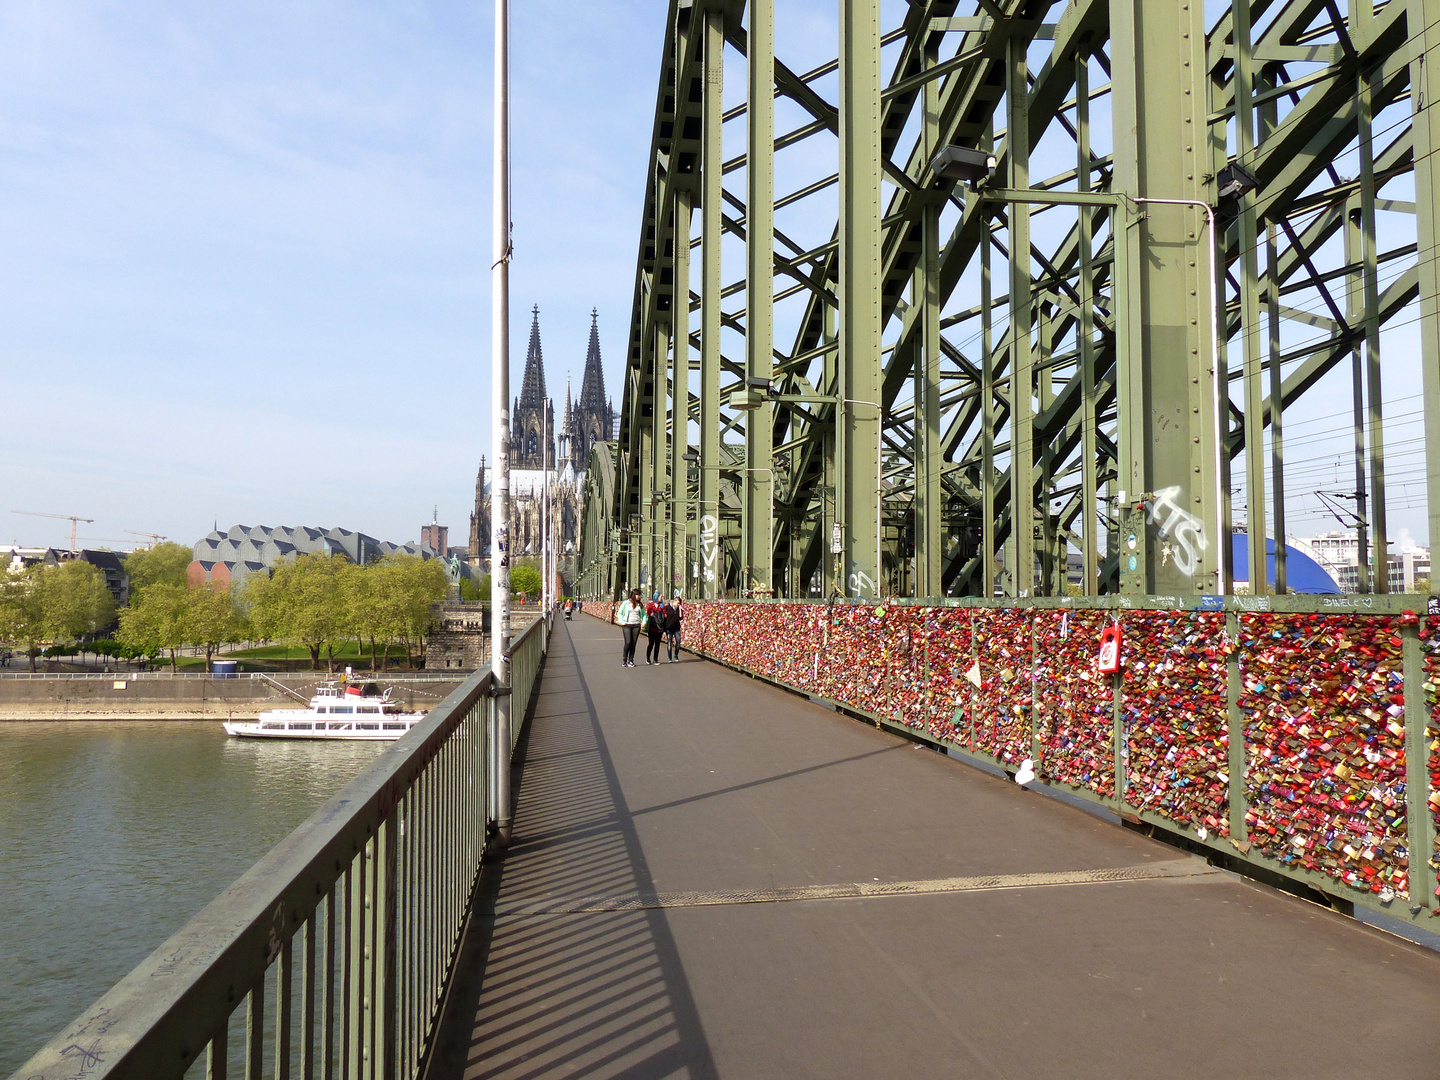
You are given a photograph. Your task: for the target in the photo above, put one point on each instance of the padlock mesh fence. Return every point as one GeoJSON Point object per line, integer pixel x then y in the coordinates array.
{"type": "Point", "coordinates": [1004, 642]}
{"type": "Point", "coordinates": [944, 644]}
{"type": "Point", "coordinates": [1432, 739]}
{"type": "Point", "coordinates": [1074, 703]}
{"type": "Point", "coordinates": [1324, 710]}
{"type": "Point", "coordinates": [1320, 702]}
{"type": "Point", "coordinates": [1175, 715]}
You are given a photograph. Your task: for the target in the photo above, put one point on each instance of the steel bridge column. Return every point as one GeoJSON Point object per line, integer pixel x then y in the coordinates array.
{"type": "Point", "coordinates": [1090, 573]}
{"type": "Point", "coordinates": [928, 450]}
{"type": "Point", "coordinates": [1173, 532]}
{"type": "Point", "coordinates": [1355, 313]}
{"type": "Point", "coordinates": [989, 533]}
{"type": "Point", "coordinates": [634, 521]}
{"type": "Point", "coordinates": [1022, 370]}
{"type": "Point", "coordinates": [1370, 291]}
{"type": "Point", "coordinates": [1277, 402]}
{"type": "Point", "coordinates": [645, 446]}
{"type": "Point", "coordinates": [859, 410]}
{"type": "Point", "coordinates": [1254, 394]}
{"type": "Point", "coordinates": [658, 460]}
{"type": "Point", "coordinates": [680, 399]}
{"type": "Point", "coordinates": [711, 179]}
{"type": "Point", "coordinates": [1423, 17]}
{"type": "Point", "coordinates": [758, 484]}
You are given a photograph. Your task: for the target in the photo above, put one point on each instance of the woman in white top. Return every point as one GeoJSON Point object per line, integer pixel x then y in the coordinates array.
{"type": "Point", "coordinates": [628, 615]}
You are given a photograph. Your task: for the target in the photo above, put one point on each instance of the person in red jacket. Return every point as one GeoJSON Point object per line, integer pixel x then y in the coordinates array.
{"type": "Point", "coordinates": [653, 630]}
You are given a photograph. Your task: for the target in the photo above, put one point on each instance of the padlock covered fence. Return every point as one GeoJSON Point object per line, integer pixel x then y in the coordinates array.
{"type": "Point", "coordinates": [1297, 735]}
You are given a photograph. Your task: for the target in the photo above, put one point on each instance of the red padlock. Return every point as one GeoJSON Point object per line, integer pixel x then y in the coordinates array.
{"type": "Point", "coordinates": [1108, 662]}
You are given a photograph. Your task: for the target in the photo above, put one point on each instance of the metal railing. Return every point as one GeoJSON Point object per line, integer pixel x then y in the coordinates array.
{"type": "Point", "coordinates": [329, 958]}
{"type": "Point", "coordinates": [180, 676]}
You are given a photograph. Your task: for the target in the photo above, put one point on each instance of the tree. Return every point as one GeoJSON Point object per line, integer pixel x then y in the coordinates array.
{"type": "Point", "coordinates": [163, 564]}
{"type": "Point", "coordinates": [158, 620]}
{"type": "Point", "coordinates": [411, 587]}
{"type": "Point", "coordinates": [373, 612]}
{"type": "Point", "coordinates": [303, 603]}
{"type": "Point", "coordinates": [76, 600]}
{"type": "Point", "coordinates": [55, 603]}
{"type": "Point", "coordinates": [525, 579]}
{"type": "Point", "coordinates": [211, 619]}
{"type": "Point", "coordinates": [22, 609]}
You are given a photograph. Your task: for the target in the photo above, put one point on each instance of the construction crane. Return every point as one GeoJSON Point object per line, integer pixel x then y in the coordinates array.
{"type": "Point", "coordinates": [74, 520]}
{"type": "Point", "coordinates": [154, 538]}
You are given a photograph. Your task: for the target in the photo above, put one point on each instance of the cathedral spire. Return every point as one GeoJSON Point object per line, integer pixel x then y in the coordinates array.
{"type": "Point", "coordinates": [592, 387]}
{"type": "Point", "coordinates": [532, 390]}
{"type": "Point", "coordinates": [532, 423]}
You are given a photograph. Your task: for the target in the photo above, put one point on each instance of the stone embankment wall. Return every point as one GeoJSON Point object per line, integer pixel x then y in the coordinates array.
{"type": "Point", "coordinates": [162, 697]}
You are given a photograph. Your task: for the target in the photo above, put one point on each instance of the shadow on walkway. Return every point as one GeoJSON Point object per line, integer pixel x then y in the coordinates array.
{"type": "Point", "coordinates": [596, 996]}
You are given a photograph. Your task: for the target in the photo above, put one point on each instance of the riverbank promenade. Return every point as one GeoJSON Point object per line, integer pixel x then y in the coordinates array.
{"type": "Point", "coordinates": [711, 877]}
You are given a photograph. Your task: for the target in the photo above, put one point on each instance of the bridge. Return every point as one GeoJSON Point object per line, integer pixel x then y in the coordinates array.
{"type": "Point", "coordinates": [1121, 799]}
{"type": "Point", "coordinates": [712, 876]}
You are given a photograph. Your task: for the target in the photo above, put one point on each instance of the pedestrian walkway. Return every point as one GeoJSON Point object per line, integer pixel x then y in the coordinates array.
{"type": "Point", "coordinates": [711, 877]}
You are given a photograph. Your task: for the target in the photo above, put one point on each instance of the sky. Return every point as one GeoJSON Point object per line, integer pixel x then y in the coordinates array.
{"type": "Point", "coordinates": [245, 251]}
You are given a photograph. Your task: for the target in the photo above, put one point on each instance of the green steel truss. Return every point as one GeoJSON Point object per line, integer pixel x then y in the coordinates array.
{"type": "Point", "coordinates": [839, 381]}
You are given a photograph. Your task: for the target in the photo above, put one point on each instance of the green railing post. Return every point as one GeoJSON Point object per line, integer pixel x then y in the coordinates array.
{"type": "Point", "coordinates": [386, 973]}
{"type": "Point", "coordinates": [1419, 822]}
{"type": "Point", "coordinates": [1117, 732]}
{"type": "Point", "coordinates": [255, 1031]}
{"type": "Point", "coordinates": [283, 1003]}
{"type": "Point", "coordinates": [217, 1056]}
{"type": "Point", "coordinates": [1239, 800]}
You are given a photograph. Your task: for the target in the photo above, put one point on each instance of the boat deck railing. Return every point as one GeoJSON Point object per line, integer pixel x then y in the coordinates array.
{"type": "Point", "coordinates": [329, 957]}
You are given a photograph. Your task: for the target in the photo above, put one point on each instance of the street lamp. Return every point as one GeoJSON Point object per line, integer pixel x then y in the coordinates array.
{"type": "Point", "coordinates": [757, 390]}
{"type": "Point", "coordinates": [963, 163]}
{"type": "Point", "coordinates": [1233, 181]}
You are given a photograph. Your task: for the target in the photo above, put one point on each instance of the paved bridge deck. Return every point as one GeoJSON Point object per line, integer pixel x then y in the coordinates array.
{"type": "Point", "coordinates": [713, 878]}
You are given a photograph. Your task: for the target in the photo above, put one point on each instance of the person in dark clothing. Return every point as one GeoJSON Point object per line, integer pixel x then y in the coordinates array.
{"type": "Point", "coordinates": [672, 628]}
{"type": "Point", "coordinates": [654, 613]}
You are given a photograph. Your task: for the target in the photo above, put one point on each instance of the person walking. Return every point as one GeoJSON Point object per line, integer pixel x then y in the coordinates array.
{"type": "Point", "coordinates": [629, 615]}
{"type": "Point", "coordinates": [653, 632]}
{"type": "Point", "coordinates": [673, 615]}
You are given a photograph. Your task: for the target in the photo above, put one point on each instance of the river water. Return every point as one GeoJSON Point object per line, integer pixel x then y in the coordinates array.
{"type": "Point", "coordinates": [113, 834]}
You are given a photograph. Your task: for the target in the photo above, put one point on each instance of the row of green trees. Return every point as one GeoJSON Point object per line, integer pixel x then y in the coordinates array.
{"type": "Point", "coordinates": [53, 603]}
{"type": "Point", "coordinates": [319, 602]}
{"type": "Point", "coordinates": [315, 601]}
{"type": "Point", "coordinates": [168, 616]}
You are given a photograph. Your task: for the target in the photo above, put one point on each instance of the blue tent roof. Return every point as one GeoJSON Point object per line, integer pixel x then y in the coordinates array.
{"type": "Point", "coordinates": [1302, 573]}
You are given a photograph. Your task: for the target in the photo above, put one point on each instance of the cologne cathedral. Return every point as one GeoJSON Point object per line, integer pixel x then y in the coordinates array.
{"type": "Point", "coordinates": [535, 442]}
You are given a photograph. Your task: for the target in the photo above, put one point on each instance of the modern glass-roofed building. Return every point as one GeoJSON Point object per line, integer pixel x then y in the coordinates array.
{"type": "Point", "coordinates": [242, 550]}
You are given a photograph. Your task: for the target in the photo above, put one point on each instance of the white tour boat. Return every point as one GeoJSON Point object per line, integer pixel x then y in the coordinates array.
{"type": "Point", "coordinates": [337, 711]}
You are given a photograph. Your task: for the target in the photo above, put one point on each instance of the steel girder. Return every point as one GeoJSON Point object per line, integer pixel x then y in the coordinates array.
{"type": "Point", "coordinates": [1048, 379]}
